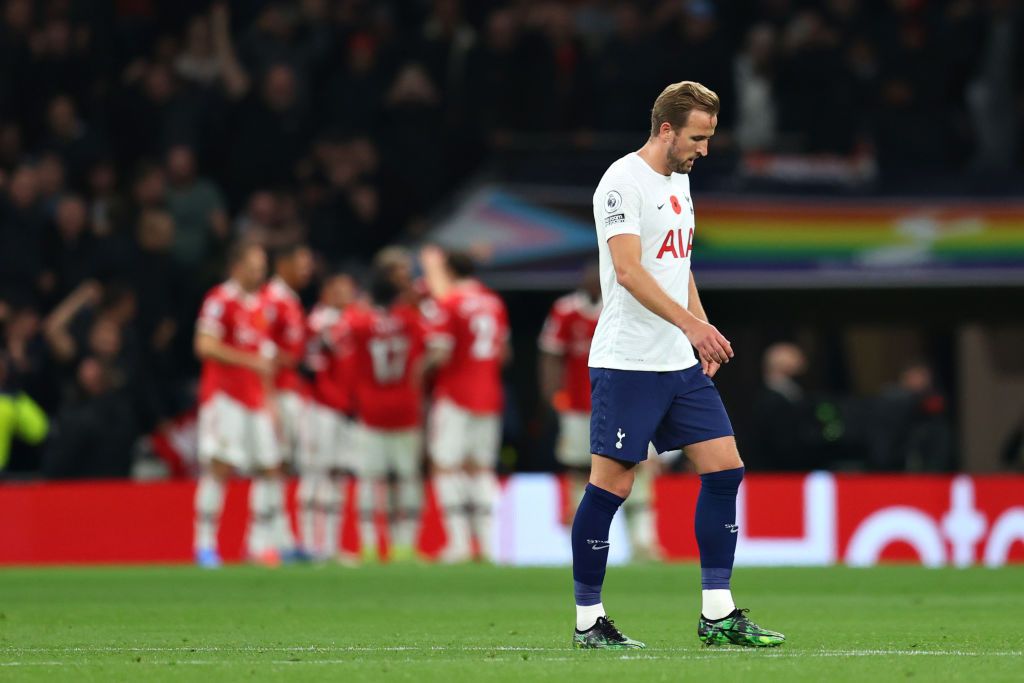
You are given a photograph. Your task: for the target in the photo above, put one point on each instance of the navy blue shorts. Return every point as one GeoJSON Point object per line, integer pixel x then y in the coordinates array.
{"type": "Point", "coordinates": [632, 408]}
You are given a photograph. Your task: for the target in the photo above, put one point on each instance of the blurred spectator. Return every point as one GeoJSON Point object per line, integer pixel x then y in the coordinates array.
{"type": "Point", "coordinates": [51, 181]}
{"type": "Point", "coordinates": [754, 72]}
{"type": "Point", "coordinates": [20, 417]}
{"type": "Point", "coordinates": [24, 350]}
{"type": "Point", "coordinates": [271, 220]}
{"type": "Point", "coordinates": [624, 79]}
{"type": "Point", "coordinates": [910, 427]}
{"type": "Point", "coordinates": [108, 210]}
{"type": "Point", "coordinates": [995, 94]}
{"type": "Point", "coordinates": [94, 322]}
{"type": "Point", "coordinates": [198, 210]}
{"type": "Point", "coordinates": [22, 234]}
{"type": "Point", "coordinates": [153, 112]}
{"type": "Point", "coordinates": [71, 139]}
{"type": "Point", "coordinates": [446, 39]}
{"type": "Point", "coordinates": [355, 91]}
{"type": "Point", "coordinates": [71, 256]}
{"type": "Point", "coordinates": [198, 61]}
{"type": "Point", "coordinates": [270, 132]}
{"type": "Point", "coordinates": [783, 433]}
{"type": "Point", "coordinates": [95, 430]}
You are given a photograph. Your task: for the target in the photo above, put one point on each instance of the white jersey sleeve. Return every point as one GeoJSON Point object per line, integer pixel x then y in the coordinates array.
{"type": "Point", "coordinates": [622, 203]}
{"type": "Point", "coordinates": [632, 198]}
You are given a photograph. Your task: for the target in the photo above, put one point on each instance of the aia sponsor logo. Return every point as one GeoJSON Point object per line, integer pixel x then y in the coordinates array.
{"type": "Point", "coordinates": [677, 244]}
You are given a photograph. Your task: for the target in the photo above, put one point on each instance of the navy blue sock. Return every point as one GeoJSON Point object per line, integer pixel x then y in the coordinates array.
{"type": "Point", "coordinates": [590, 542]}
{"type": "Point", "coordinates": [715, 526]}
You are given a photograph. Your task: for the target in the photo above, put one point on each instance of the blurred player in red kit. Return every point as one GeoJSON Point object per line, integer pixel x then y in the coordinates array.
{"type": "Point", "coordinates": [331, 450]}
{"type": "Point", "coordinates": [565, 377]}
{"type": "Point", "coordinates": [236, 430]}
{"type": "Point", "coordinates": [469, 344]}
{"type": "Point", "coordinates": [293, 269]}
{"type": "Point", "coordinates": [388, 342]}
{"type": "Point", "coordinates": [565, 384]}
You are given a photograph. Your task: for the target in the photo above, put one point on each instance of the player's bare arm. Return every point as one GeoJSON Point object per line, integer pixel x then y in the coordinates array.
{"type": "Point", "coordinates": [435, 273]}
{"type": "Point", "coordinates": [697, 309]}
{"type": "Point", "coordinates": [629, 272]}
{"type": "Point", "coordinates": [209, 347]}
{"type": "Point", "coordinates": [552, 369]}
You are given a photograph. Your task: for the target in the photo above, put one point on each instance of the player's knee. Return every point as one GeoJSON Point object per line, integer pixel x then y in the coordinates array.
{"type": "Point", "coordinates": [220, 469]}
{"type": "Point", "coordinates": [620, 485]}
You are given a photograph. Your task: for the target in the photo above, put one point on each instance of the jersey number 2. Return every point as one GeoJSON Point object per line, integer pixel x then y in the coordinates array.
{"type": "Point", "coordinates": [485, 333]}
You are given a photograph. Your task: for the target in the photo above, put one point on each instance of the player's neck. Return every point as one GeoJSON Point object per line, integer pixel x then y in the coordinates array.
{"type": "Point", "coordinates": [653, 154]}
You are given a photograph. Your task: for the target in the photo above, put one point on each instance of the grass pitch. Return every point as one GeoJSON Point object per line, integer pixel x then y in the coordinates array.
{"type": "Point", "coordinates": [424, 623]}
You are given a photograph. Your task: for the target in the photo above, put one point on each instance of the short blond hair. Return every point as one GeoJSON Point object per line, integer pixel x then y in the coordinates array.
{"type": "Point", "coordinates": [675, 103]}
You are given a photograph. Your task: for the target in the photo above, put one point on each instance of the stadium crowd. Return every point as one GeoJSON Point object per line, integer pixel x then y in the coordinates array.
{"type": "Point", "coordinates": [139, 139]}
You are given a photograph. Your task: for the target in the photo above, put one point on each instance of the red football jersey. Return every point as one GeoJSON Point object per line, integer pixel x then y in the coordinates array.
{"type": "Point", "coordinates": [388, 346]}
{"type": "Point", "coordinates": [236, 318]}
{"type": "Point", "coordinates": [287, 319]}
{"type": "Point", "coordinates": [331, 360]}
{"type": "Point", "coordinates": [473, 322]}
{"type": "Point", "coordinates": [567, 332]}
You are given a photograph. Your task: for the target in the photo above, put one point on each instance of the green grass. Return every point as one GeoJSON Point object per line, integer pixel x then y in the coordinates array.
{"type": "Point", "coordinates": [483, 623]}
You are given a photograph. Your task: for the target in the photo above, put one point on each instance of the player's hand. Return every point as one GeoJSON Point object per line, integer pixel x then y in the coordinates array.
{"type": "Point", "coordinates": [264, 366]}
{"type": "Point", "coordinates": [711, 345]}
{"type": "Point", "coordinates": [710, 367]}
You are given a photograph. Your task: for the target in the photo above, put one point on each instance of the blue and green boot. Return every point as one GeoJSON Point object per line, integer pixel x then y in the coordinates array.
{"type": "Point", "coordinates": [604, 636]}
{"type": "Point", "coordinates": [737, 629]}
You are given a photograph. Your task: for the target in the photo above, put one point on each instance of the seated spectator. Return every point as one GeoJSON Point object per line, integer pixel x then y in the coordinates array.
{"type": "Point", "coordinates": [95, 430]}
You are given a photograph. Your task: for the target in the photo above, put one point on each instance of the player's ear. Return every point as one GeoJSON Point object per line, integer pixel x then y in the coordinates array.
{"type": "Point", "coordinates": [665, 132]}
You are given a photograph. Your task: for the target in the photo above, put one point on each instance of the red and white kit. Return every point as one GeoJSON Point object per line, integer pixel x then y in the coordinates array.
{"type": "Point", "coordinates": [331, 435]}
{"type": "Point", "coordinates": [567, 333]}
{"type": "Point", "coordinates": [287, 319]}
{"type": "Point", "coordinates": [235, 425]}
{"type": "Point", "coordinates": [465, 421]}
{"type": "Point", "coordinates": [388, 347]}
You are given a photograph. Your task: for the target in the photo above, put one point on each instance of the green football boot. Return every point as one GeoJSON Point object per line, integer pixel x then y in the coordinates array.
{"type": "Point", "coordinates": [737, 629]}
{"type": "Point", "coordinates": [604, 636]}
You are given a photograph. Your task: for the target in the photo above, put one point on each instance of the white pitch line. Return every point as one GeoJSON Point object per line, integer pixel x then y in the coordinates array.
{"type": "Point", "coordinates": [651, 654]}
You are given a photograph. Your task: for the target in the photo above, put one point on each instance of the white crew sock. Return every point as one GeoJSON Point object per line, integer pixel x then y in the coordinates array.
{"type": "Point", "coordinates": [406, 520]}
{"type": "Point", "coordinates": [452, 493]}
{"type": "Point", "coordinates": [483, 494]}
{"type": "Point", "coordinates": [306, 495]}
{"type": "Point", "coordinates": [369, 543]}
{"type": "Point", "coordinates": [260, 517]}
{"type": "Point", "coordinates": [716, 603]}
{"type": "Point", "coordinates": [586, 615]}
{"type": "Point", "coordinates": [209, 501]}
{"type": "Point", "coordinates": [332, 499]}
{"type": "Point", "coordinates": [281, 523]}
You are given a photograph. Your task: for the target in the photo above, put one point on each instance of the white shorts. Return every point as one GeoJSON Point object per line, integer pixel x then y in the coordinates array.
{"type": "Point", "coordinates": [233, 433]}
{"type": "Point", "coordinates": [293, 425]}
{"type": "Point", "coordinates": [382, 451]}
{"type": "Point", "coordinates": [459, 437]}
{"type": "Point", "coordinates": [332, 441]}
{"type": "Point", "coordinates": [573, 446]}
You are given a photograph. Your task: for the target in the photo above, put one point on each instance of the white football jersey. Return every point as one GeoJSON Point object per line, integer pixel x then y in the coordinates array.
{"type": "Point", "coordinates": [633, 198]}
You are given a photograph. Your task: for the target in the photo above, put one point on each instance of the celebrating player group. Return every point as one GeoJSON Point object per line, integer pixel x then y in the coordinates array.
{"type": "Point", "coordinates": [628, 361]}
{"type": "Point", "coordinates": [339, 393]}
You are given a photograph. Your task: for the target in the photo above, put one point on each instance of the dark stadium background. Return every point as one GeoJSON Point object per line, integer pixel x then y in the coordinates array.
{"type": "Point", "coordinates": [369, 123]}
